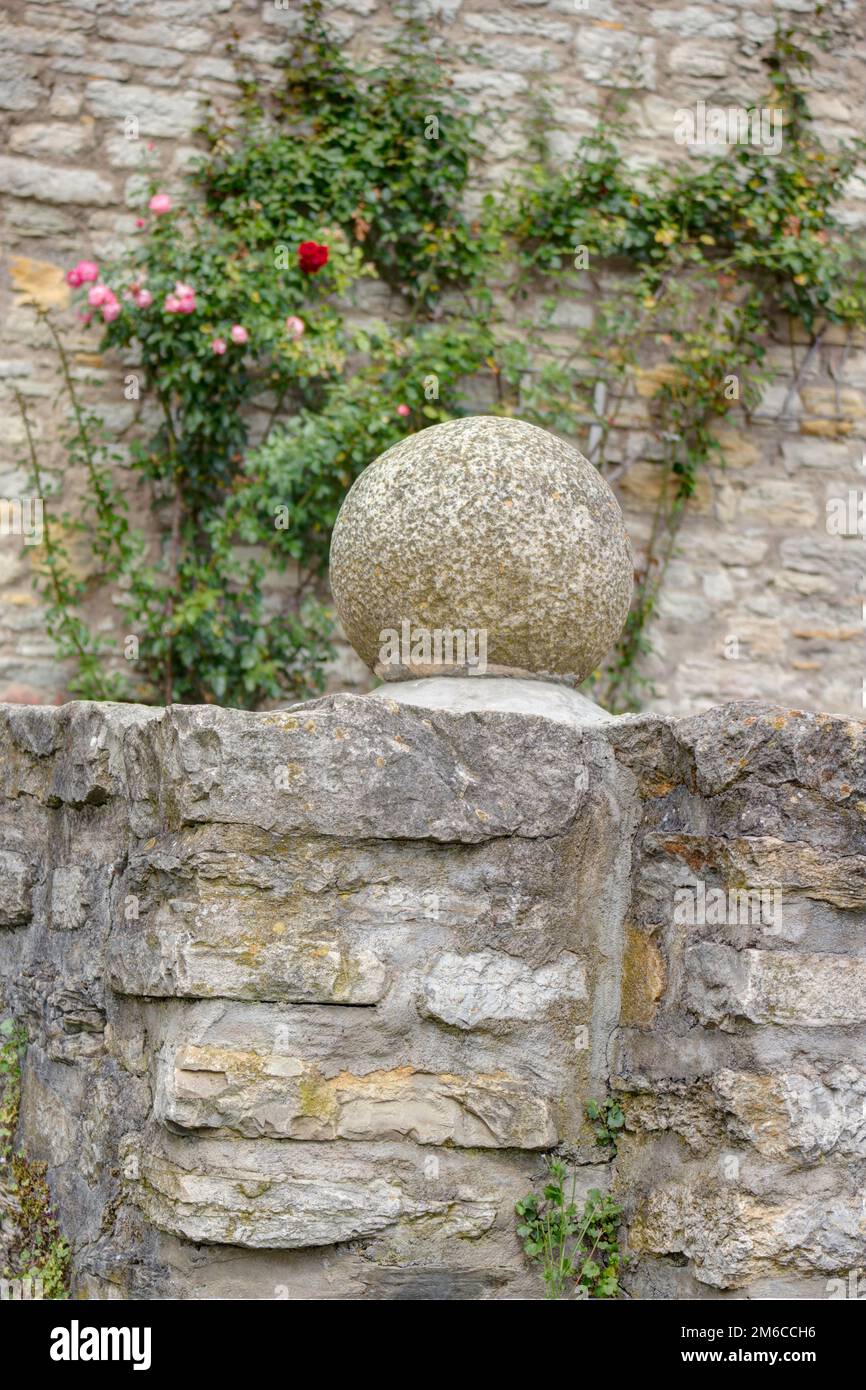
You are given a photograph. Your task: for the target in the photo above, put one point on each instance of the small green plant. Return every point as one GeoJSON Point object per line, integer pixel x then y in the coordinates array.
{"type": "Point", "coordinates": [36, 1248]}
{"type": "Point", "coordinates": [13, 1040]}
{"type": "Point", "coordinates": [607, 1119]}
{"type": "Point", "coordinates": [577, 1253]}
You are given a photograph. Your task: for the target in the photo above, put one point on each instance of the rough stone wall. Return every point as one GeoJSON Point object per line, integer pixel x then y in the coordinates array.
{"type": "Point", "coordinates": [741, 1054]}
{"type": "Point", "coordinates": [310, 993]}
{"type": "Point", "coordinates": [755, 561]}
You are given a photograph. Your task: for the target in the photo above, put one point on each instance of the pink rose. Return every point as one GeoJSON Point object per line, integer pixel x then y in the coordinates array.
{"type": "Point", "coordinates": [185, 294]}
{"type": "Point", "coordinates": [82, 273]}
{"type": "Point", "coordinates": [159, 203]}
{"type": "Point", "coordinates": [403, 410]}
{"type": "Point", "coordinates": [239, 334]}
{"type": "Point", "coordinates": [143, 298]}
{"type": "Point", "coordinates": [110, 310]}
{"type": "Point", "coordinates": [100, 294]}
{"type": "Point", "coordinates": [218, 346]}
{"type": "Point", "coordinates": [182, 301]}
{"type": "Point", "coordinates": [295, 326]}
{"type": "Point", "coordinates": [140, 222]}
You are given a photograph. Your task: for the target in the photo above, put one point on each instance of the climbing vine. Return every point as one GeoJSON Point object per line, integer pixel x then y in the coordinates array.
{"type": "Point", "coordinates": [243, 305]}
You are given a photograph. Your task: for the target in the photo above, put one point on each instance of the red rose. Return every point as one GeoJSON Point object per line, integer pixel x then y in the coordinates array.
{"type": "Point", "coordinates": [312, 256]}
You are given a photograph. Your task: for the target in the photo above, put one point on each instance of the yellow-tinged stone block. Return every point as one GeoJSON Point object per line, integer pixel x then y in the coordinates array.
{"type": "Point", "coordinates": [643, 979]}
{"type": "Point", "coordinates": [643, 481]}
{"type": "Point", "coordinates": [650, 380]}
{"type": "Point", "coordinates": [40, 281]}
{"type": "Point", "coordinates": [737, 450]}
{"type": "Point", "coordinates": [827, 429]}
{"type": "Point", "coordinates": [824, 400]}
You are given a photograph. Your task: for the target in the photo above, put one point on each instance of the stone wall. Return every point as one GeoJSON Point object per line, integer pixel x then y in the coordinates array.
{"type": "Point", "coordinates": [311, 993]}
{"type": "Point", "coordinates": [756, 563]}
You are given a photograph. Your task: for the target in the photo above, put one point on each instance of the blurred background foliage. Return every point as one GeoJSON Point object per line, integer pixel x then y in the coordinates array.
{"type": "Point", "coordinates": [380, 164]}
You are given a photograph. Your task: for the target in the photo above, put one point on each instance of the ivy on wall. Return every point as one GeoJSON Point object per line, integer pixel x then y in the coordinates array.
{"type": "Point", "coordinates": [241, 296]}
{"type": "Point", "coordinates": [33, 1250]}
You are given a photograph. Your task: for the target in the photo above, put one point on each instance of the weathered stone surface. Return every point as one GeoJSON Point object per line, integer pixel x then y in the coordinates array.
{"type": "Point", "coordinates": [20, 93]}
{"type": "Point", "coordinates": [508, 694]}
{"type": "Point", "coordinates": [70, 897]}
{"type": "Point", "coordinates": [643, 979]}
{"type": "Point", "coordinates": [789, 1114]}
{"type": "Point", "coordinates": [764, 1013]}
{"type": "Point", "coordinates": [26, 178]}
{"type": "Point", "coordinates": [781, 1114]}
{"type": "Point", "coordinates": [16, 885]}
{"type": "Point", "coordinates": [50, 139]}
{"type": "Point", "coordinates": [482, 525]}
{"type": "Point", "coordinates": [224, 948]}
{"type": "Point", "coordinates": [734, 1236]}
{"type": "Point", "coordinates": [775, 986]}
{"type": "Point", "coordinates": [284, 1196]}
{"type": "Point", "coordinates": [765, 862]}
{"type": "Point", "coordinates": [363, 1013]}
{"type": "Point", "coordinates": [157, 112]}
{"type": "Point", "coordinates": [485, 988]}
{"type": "Point", "coordinates": [276, 1096]}
{"type": "Point", "coordinates": [300, 771]}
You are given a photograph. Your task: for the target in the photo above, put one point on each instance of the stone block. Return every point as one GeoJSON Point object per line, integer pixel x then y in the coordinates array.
{"type": "Point", "coordinates": [16, 889]}
{"type": "Point", "coordinates": [487, 988]}
{"type": "Point", "coordinates": [26, 178]}
{"type": "Point", "coordinates": [240, 948]}
{"type": "Point", "coordinates": [269, 1095]}
{"type": "Point", "coordinates": [271, 1196]}
{"type": "Point", "coordinates": [70, 897]}
{"type": "Point", "coordinates": [786, 988]}
{"type": "Point", "coordinates": [157, 112]}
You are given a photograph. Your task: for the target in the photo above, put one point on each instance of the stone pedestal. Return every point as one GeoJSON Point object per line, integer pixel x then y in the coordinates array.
{"type": "Point", "coordinates": [311, 994]}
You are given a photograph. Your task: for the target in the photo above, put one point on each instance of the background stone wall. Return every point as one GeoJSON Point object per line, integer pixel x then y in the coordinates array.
{"type": "Point", "coordinates": [755, 562]}
{"type": "Point", "coordinates": [310, 993]}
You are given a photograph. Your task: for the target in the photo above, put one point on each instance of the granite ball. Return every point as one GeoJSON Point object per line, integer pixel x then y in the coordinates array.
{"type": "Point", "coordinates": [482, 533]}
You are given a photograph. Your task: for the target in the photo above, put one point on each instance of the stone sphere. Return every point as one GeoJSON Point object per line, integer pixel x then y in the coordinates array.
{"type": "Point", "coordinates": [482, 546]}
